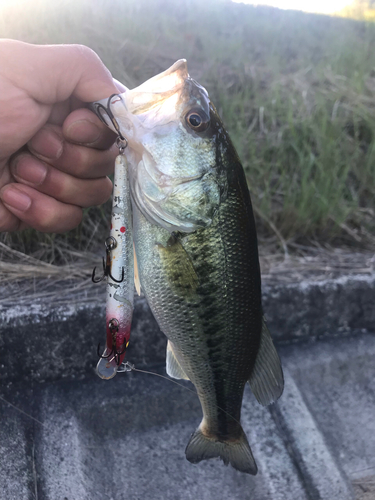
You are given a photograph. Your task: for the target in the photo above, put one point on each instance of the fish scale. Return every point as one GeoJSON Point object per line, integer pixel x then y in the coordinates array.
{"type": "Point", "coordinates": [222, 261]}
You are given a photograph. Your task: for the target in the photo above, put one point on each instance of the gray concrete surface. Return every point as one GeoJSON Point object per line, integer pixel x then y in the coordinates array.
{"type": "Point", "coordinates": [336, 379]}
{"type": "Point", "coordinates": [125, 439]}
{"type": "Point", "coordinates": [59, 340]}
{"type": "Point", "coordinates": [76, 437]}
{"type": "Point", "coordinates": [311, 309]}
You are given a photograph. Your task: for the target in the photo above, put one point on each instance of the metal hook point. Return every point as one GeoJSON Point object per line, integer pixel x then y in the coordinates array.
{"type": "Point", "coordinates": [102, 356]}
{"type": "Point", "coordinates": [98, 280]}
{"type": "Point", "coordinates": [119, 354]}
{"type": "Point", "coordinates": [120, 280]}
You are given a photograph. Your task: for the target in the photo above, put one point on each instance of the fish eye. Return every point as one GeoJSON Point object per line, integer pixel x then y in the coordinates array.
{"type": "Point", "coordinates": [197, 120]}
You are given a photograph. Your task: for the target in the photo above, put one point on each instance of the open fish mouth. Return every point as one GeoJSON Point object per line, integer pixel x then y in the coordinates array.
{"type": "Point", "coordinates": [154, 101]}
{"type": "Point", "coordinates": [162, 91]}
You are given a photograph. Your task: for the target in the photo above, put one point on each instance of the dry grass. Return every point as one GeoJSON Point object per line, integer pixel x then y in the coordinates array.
{"type": "Point", "coordinates": [314, 263]}
{"type": "Point", "coordinates": [24, 276]}
{"type": "Point", "coordinates": [364, 487]}
{"type": "Point", "coordinates": [16, 265]}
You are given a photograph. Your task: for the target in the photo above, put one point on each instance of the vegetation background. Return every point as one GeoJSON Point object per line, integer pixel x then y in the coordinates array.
{"type": "Point", "coordinates": [296, 92]}
{"type": "Point", "coordinates": [363, 10]}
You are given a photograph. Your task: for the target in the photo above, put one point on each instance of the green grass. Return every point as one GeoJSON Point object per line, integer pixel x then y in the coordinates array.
{"type": "Point", "coordinates": [295, 91]}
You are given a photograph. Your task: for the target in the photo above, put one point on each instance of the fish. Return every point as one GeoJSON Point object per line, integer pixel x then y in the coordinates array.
{"type": "Point", "coordinates": [119, 270]}
{"type": "Point", "coordinates": [197, 255]}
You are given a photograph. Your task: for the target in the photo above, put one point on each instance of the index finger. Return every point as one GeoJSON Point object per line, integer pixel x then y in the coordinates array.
{"type": "Point", "coordinates": [52, 73]}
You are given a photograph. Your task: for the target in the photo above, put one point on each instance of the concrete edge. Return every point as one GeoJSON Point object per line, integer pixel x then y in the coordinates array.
{"type": "Point", "coordinates": [40, 341]}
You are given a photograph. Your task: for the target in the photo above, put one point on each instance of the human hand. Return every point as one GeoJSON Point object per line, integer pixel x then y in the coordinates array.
{"type": "Point", "coordinates": [54, 153]}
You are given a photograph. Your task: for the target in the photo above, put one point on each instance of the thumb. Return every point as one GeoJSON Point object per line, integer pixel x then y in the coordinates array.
{"type": "Point", "coordinates": [52, 73]}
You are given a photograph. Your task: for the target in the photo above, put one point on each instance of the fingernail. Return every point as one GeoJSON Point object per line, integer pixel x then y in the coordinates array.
{"type": "Point", "coordinates": [29, 169]}
{"type": "Point", "coordinates": [16, 199]}
{"type": "Point", "coordinates": [83, 131]}
{"type": "Point", "coordinates": [46, 143]}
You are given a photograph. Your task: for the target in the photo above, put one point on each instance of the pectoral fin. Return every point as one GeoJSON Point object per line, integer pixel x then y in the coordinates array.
{"type": "Point", "coordinates": [174, 369]}
{"type": "Point", "coordinates": [137, 282]}
{"type": "Point", "coordinates": [267, 380]}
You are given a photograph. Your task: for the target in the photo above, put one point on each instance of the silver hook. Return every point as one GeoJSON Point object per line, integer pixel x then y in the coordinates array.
{"type": "Point", "coordinates": [121, 141]}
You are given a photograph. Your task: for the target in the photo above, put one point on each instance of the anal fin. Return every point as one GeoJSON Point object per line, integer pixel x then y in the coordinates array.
{"type": "Point", "coordinates": [174, 369]}
{"type": "Point", "coordinates": [267, 380]}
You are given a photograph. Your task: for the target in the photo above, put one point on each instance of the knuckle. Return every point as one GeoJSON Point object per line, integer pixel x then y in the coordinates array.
{"type": "Point", "coordinates": [74, 160]}
{"type": "Point", "coordinates": [26, 168]}
{"type": "Point", "coordinates": [84, 52]}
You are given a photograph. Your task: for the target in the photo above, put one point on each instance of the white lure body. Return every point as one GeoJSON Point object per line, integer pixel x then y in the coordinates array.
{"type": "Point", "coordinates": [120, 284]}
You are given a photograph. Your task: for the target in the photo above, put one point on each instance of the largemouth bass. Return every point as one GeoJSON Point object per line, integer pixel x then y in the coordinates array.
{"type": "Point", "coordinates": [196, 247]}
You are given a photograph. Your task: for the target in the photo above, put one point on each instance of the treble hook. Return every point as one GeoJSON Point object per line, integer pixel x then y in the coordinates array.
{"type": "Point", "coordinates": [113, 327]}
{"type": "Point", "coordinates": [107, 109]}
{"type": "Point", "coordinates": [110, 244]}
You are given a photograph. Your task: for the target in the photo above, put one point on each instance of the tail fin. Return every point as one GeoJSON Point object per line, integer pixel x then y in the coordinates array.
{"type": "Point", "coordinates": [235, 452]}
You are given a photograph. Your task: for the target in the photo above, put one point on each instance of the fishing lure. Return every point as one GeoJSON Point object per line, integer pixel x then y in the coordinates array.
{"type": "Point", "coordinates": [118, 268]}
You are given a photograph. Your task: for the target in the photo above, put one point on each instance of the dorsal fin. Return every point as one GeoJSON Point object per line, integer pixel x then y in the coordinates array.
{"type": "Point", "coordinates": [267, 380]}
